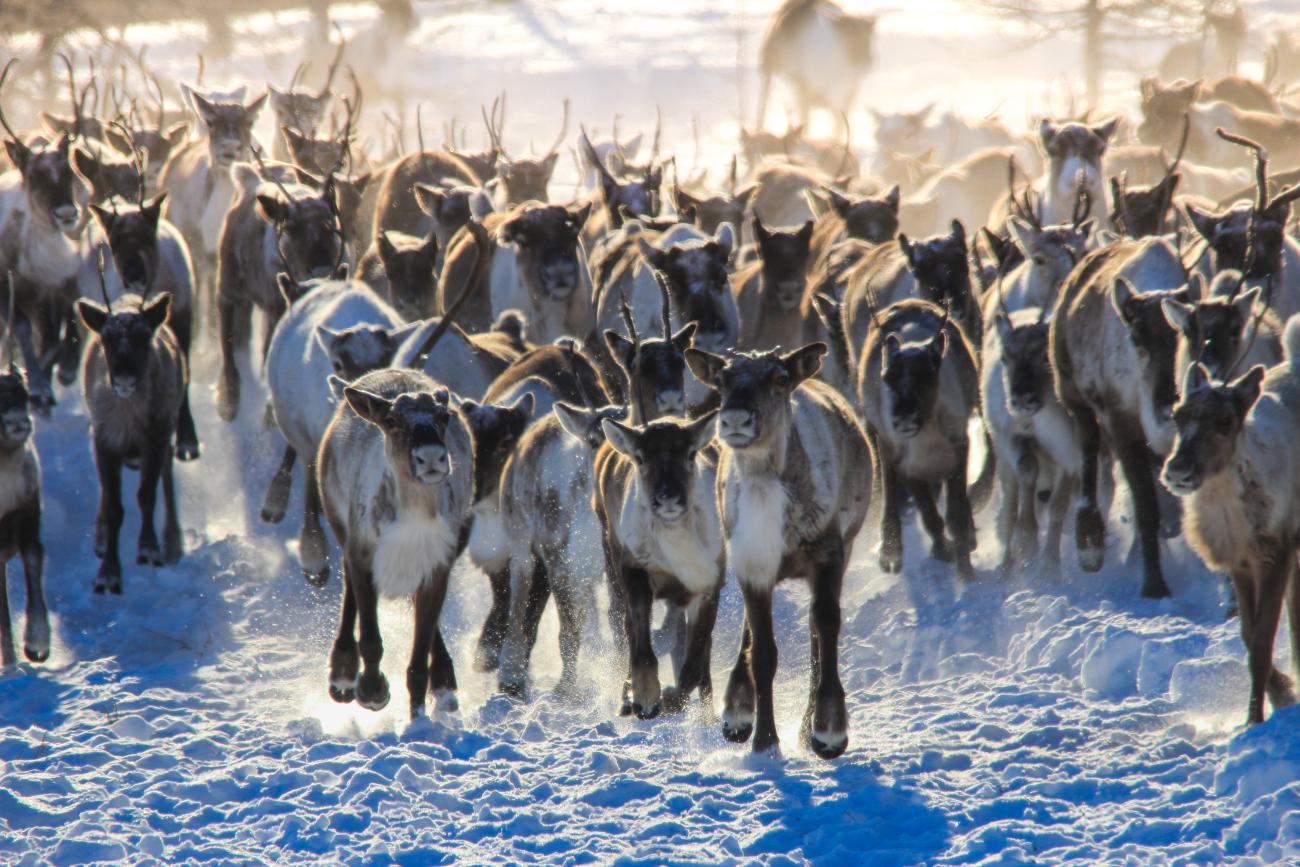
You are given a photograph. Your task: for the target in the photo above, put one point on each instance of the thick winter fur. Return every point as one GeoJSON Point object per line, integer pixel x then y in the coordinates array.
{"type": "Point", "coordinates": [402, 269]}
{"type": "Point", "coordinates": [966, 191]}
{"type": "Point", "coordinates": [398, 207]}
{"type": "Point", "coordinates": [1275, 258]}
{"type": "Point", "coordinates": [1071, 148]}
{"type": "Point", "coordinates": [396, 477]}
{"type": "Point", "coordinates": [134, 379]}
{"type": "Point", "coordinates": [918, 384]}
{"type": "Point", "coordinates": [1235, 463]}
{"type": "Point", "coordinates": [794, 484]}
{"type": "Point", "coordinates": [20, 520]}
{"type": "Point", "coordinates": [334, 327]}
{"type": "Point", "coordinates": [655, 496]}
{"type": "Point", "coordinates": [1112, 354]}
{"type": "Point", "coordinates": [266, 233]}
{"type": "Point", "coordinates": [1224, 330]}
{"type": "Point", "coordinates": [770, 291]}
{"type": "Point", "coordinates": [1050, 254]}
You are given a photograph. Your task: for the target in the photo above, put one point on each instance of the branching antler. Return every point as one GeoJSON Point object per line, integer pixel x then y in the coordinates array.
{"type": "Point", "coordinates": [4, 75]}
{"type": "Point", "coordinates": [564, 129]}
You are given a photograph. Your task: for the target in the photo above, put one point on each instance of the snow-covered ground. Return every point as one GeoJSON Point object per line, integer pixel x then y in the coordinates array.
{"type": "Point", "coordinates": [1026, 722]}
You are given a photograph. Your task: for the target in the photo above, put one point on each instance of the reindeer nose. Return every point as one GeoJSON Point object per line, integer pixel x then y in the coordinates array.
{"type": "Point", "coordinates": [124, 385]}
{"type": "Point", "coordinates": [669, 507]}
{"type": "Point", "coordinates": [65, 214]}
{"type": "Point", "coordinates": [18, 425]}
{"type": "Point", "coordinates": [736, 425]}
{"type": "Point", "coordinates": [429, 463]}
{"type": "Point", "coordinates": [670, 403]}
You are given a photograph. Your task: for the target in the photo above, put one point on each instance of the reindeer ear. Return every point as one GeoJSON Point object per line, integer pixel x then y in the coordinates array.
{"type": "Point", "coordinates": [1148, 88]}
{"type": "Point", "coordinates": [387, 252]}
{"type": "Point", "coordinates": [429, 199]}
{"type": "Point", "coordinates": [155, 312]}
{"type": "Point", "coordinates": [905, 244]}
{"type": "Point", "coordinates": [620, 436]}
{"type": "Point", "coordinates": [254, 108]}
{"type": "Point", "coordinates": [85, 164]}
{"type": "Point", "coordinates": [701, 430]}
{"type": "Point", "coordinates": [682, 339]}
{"type": "Point", "coordinates": [1123, 297]}
{"type": "Point", "coordinates": [1004, 326]}
{"type": "Point", "coordinates": [578, 216]}
{"type": "Point", "coordinates": [761, 234]}
{"type": "Point", "coordinates": [1195, 378]}
{"type": "Point", "coordinates": [203, 106]}
{"type": "Point", "coordinates": [1047, 133]}
{"type": "Point", "coordinates": [92, 314]}
{"type": "Point", "coordinates": [152, 210]}
{"type": "Point", "coordinates": [573, 421]}
{"type": "Point", "coordinates": [939, 345]}
{"type": "Point", "coordinates": [175, 134]}
{"type": "Point", "coordinates": [1206, 222]}
{"type": "Point", "coordinates": [1246, 302]}
{"type": "Point", "coordinates": [1246, 390]}
{"type": "Point", "coordinates": [653, 256]}
{"type": "Point", "coordinates": [705, 365]}
{"type": "Point", "coordinates": [683, 199]}
{"type": "Point", "coordinates": [747, 193]}
{"type": "Point", "coordinates": [1196, 286]}
{"type": "Point", "coordinates": [104, 217]}
{"type": "Point", "coordinates": [805, 231]}
{"type": "Point", "coordinates": [893, 197]}
{"type": "Point", "coordinates": [273, 207]}
{"type": "Point", "coordinates": [804, 362]}
{"type": "Point", "coordinates": [1022, 233]}
{"type": "Point", "coordinates": [725, 238]}
{"type": "Point", "coordinates": [1181, 316]}
{"type": "Point", "coordinates": [370, 406]}
{"type": "Point", "coordinates": [1105, 129]}
{"type": "Point", "coordinates": [290, 289]}
{"type": "Point", "coordinates": [619, 346]}
{"type": "Point", "coordinates": [19, 154]}
{"type": "Point", "coordinates": [524, 405]}
{"type": "Point", "coordinates": [959, 232]}
{"type": "Point", "coordinates": [325, 337]}
{"type": "Point", "coordinates": [839, 202]}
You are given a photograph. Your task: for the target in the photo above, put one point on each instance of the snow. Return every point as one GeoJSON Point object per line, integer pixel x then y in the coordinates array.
{"type": "Point", "coordinates": [1020, 722]}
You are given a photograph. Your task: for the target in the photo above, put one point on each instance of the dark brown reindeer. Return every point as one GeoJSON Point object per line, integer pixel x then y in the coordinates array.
{"type": "Point", "coordinates": [524, 179]}
{"type": "Point", "coordinates": [639, 197]}
{"type": "Point", "coordinates": [401, 269]}
{"type": "Point", "coordinates": [20, 525]}
{"type": "Point", "coordinates": [134, 379]}
{"type": "Point", "coordinates": [770, 292]}
{"type": "Point", "coordinates": [1137, 212]}
{"type": "Point", "coordinates": [794, 484]}
{"type": "Point", "coordinates": [301, 109]}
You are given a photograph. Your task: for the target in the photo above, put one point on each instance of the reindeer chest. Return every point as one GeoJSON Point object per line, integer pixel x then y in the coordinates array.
{"type": "Point", "coordinates": [756, 514]}
{"type": "Point", "coordinates": [677, 554]}
{"type": "Point", "coordinates": [409, 550]}
{"type": "Point", "coordinates": [489, 541]}
{"type": "Point", "coordinates": [47, 258]}
{"type": "Point", "coordinates": [220, 195]}
{"type": "Point", "coordinates": [928, 456]}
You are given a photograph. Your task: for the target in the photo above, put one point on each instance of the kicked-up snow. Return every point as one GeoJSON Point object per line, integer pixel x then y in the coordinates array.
{"type": "Point", "coordinates": [1030, 721]}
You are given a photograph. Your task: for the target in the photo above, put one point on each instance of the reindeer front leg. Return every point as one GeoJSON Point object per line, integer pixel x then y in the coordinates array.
{"type": "Point", "coordinates": [313, 547]}
{"type": "Point", "coordinates": [891, 524]}
{"type": "Point", "coordinates": [109, 525]}
{"type": "Point", "coordinates": [36, 636]}
{"type": "Point", "coordinates": [343, 656]}
{"type": "Point", "coordinates": [738, 713]}
{"type": "Point", "coordinates": [829, 734]}
{"type": "Point", "coordinates": [228, 381]}
{"type": "Point", "coordinates": [1089, 528]}
{"type": "Point", "coordinates": [7, 655]}
{"type": "Point", "coordinates": [147, 551]}
{"type": "Point", "coordinates": [428, 606]}
{"type": "Point", "coordinates": [763, 660]}
{"type": "Point", "coordinates": [642, 664]}
{"type": "Point", "coordinates": [39, 388]}
{"type": "Point", "coordinates": [694, 672]}
{"type": "Point", "coordinates": [276, 501]}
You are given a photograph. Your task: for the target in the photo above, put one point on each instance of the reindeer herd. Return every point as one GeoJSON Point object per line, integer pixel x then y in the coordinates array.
{"type": "Point", "coordinates": [658, 384]}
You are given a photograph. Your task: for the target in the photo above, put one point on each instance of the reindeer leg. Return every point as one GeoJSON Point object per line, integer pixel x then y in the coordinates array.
{"type": "Point", "coordinates": [830, 730]}
{"type": "Point", "coordinates": [1089, 528]}
{"type": "Point", "coordinates": [39, 389]}
{"type": "Point", "coordinates": [7, 655]}
{"type": "Point", "coordinates": [187, 434]}
{"type": "Point", "coordinates": [701, 615]}
{"type": "Point", "coordinates": [276, 502]}
{"type": "Point", "coordinates": [1060, 506]}
{"type": "Point", "coordinates": [763, 660]}
{"type": "Point", "coordinates": [313, 547]}
{"type": "Point", "coordinates": [891, 525]}
{"type": "Point", "coordinates": [512, 651]}
{"type": "Point", "coordinates": [172, 544]}
{"type": "Point", "coordinates": [343, 656]}
{"type": "Point", "coordinates": [372, 686]}
{"type": "Point", "coordinates": [147, 550]}
{"type": "Point", "coordinates": [1280, 687]}
{"type": "Point", "coordinates": [961, 522]}
{"type": "Point", "coordinates": [1135, 459]}
{"type": "Point", "coordinates": [573, 618]}
{"type": "Point", "coordinates": [36, 636]}
{"type": "Point", "coordinates": [1266, 611]}
{"type": "Point", "coordinates": [738, 710]}
{"type": "Point", "coordinates": [428, 607]}
{"type": "Point", "coordinates": [491, 637]}
{"type": "Point", "coordinates": [923, 496]}
{"type": "Point", "coordinates": [644, 667]}
{"type": "Point", "coordinates": [1008, 509]}
{"type": "Point", "coordinates": [442, 675]}
{"type": "Point", "coordinates": [110, 507]}
{"type": "Point", "coordinates": [69, 345]}
{"type": "Point", "coordinates": [228, 380]}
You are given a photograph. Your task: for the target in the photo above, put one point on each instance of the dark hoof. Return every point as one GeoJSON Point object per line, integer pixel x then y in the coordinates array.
{"type": "Point", "coordinates": [737, 734]}
{"type": "Point", "coordinates": [42, 403]}
{"type": "Point", "coordinates": [891, 562]}
{"type": "Point", "coordinates": [674, 700]}
{"type": "Point", "coordinates": [108, 582]}
{"type": "Point", "coordinates": [36, 655]}
{"type": "Point", "coordinates": [317, 579]}
{"type": "Point", "coordinates": [272, 515]}
{"type": "Point", "coordinates": [828, 745]}
{"type": "Point", "coordinates": [67, 376]}
{"type": "Point", "coordinates": [487, 658]}
{"type": "Point", "coordinates": [516, 691]}
{"type": "Point", "coordinates": [343, 695]}
{"type": "Point", "coordinates": [942, 551]}
{"type": "Point", "coordinates": [188, 451]}
{"type": "Point", "coordinates": [1155, 590]}
{"type": "Point", "coordinates": [769, 743]}
{"type": "Point", "coordinates": [644, 713]}
{"type": "Point", "coordinates": [372, 691]}
{"type": "Point", "coordinates": [149, 556]}
{"type": "Point", "coordinates": [172, 549]}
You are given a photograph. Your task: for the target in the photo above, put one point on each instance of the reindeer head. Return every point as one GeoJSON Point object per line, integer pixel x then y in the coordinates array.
{"type": "Point", "coordinates": [640, 197]}
{"type": "Point", "coordinates": [15, 417]}
{"type": "Point", "coordinates": [1213, 325]}
{"type": "Point", "coordinates": [754, 390]}
{"type": "Point", "coordinates": [1026, 373]}
{"type": "Point", "coordinates": [230, 128]}
{"type": "Point", "coordinates": [698, 277]}
{"type": "Point", "coordinates": [910, 373]}
{"type": "Point", "coordinates": [708, 212]}
{"type": "Point", "coordinates": [655, 368]}
{"type": "Point", "coordinates": [494, 429]}
{"type": "Point", "coordinates": [1072, 148]}
{"type": "Point", "coordinates": [315, 154]}
{"type": "Point", "coordinates": [900, 131]}
{"type": "Point", "coordinates": [1229, 232]}
{"type": "Point", "coordinates": [132, 232]}
{"type": "Point", "coordinates": [414, 426]}
{"type": "Point", "coordinates": [867, 218]}
{"type": "Point", "coordinates": [546, 238]}
{"type": "Point", "coordinates": [299, 109]}
{"type": "Point", "coordinates": [408, 263]}
{"type": "Point", "coordinates": [1155, 341]}
{"type": "Point", "coordinates": [106, 175]}
{"type": "Point", "coordinates": [785, 263]}
{"type": "Point", "coordinates": [584, 425]}
{"type": "Point", "coordinates": [1163, 108]}
{"type": "Point", "coordinates": [1141, 212]}
{"type": "Point", "coordinates": [1055, 249]}
{"type": "Point", "coordinates": [306, 226]}
{"type": "Point", "coordinates": [451, 207]}
{"type": "Point", "coordinates": [49, 182]}
{"type": "Point", "coordinates": [525, 179]}
{"type": "Point", "coordinates": [358, 349]}
{"type": "Point", "coordinates": [1209, 419]}
{"type": "Point", "coordinates": [126, 335]}
{"type": "Point", "coordinates": [157, 143]}
{"type": "Point", "coordinates": [663, 453]}
{"type": "Point", "coordinates": [942, 270]}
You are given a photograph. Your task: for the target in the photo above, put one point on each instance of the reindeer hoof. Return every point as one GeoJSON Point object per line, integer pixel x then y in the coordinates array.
{"type": "Point", "coordinates": [767, 743]}
{"type": "Point", "coordinates": [674, 700]}
{"type": "Point", "coordinates": [644, 713]}
{"type": "Point", "coordinates": [513, 689]}
{"type": "Point", "coordinates": [737, 727]}
{"type": "Point", "coordinates": [942, 551]}
{"type": "Point", "coordinates": [891, 562]}
{"type": "Point", "coordinates": [274, 514]}
{"type": "Point", "coordinates": [487, 658]}
{"type": "Point", "coordinates": [149, 555]}
{"type": "Point", "coordinates": [36, 655]}
{"type": "Point", "coordinates": [372, 691]}
{"type": "Point", "coordinates": [1091, 559]}
{"type": "Point", "coordinates": [67, 376]}
{"type": "Point", "coordinates": [107, 581]}
{"type": "Point", "coordinates": [343, 692]}
{"type": "Point", "coordinates": [319, 578]}
{"type": "Point", "coordinates": [172, 548]}
{"type": "Point", "coordinates": [828, 745]}
{"type": "Point", "coordinates": [1157, 589]}
{"type": "Point", "coordinates": [188, 450]}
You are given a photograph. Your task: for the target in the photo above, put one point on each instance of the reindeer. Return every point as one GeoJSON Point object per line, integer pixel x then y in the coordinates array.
{"type": "Point", "coordinates": [918, 384]}
{"type": "Point", "coordinates": [536, 266]}
{"type": "Point", "coordinates": [1234, 465]}
{"type": "Point", "coordinates": [821, 50]}
{"type": "Point", "coordinates": [1112, 353]}
{"type": "Point", "coordinates": [1224, 329]}
{"type": "Point", "coordinates": [1073, 150]}
{"type": "Point", "coordinates": [794, 484]}
{"type": "Point", "coordinates": [524, 179]}
{"type": "Point", "coordinates": [300, 110]}
{"type": "Point", "coordinates": [149, 257]}
{"type": "Point", "coordinates": [396, 480]}
{"type": "Point", "coordinates": [399, 207]}
{"type": "Point", "coordinates": [1050, 254]}
{"type": "Point", "coordinates": [770, 292]}
{"type": "Point", "coordinates": [272, 227]}
{"type": "Point", "coordinates": [401, 269]}
{"type": "Point", "coordinates": [640, 198]}
{"type": "Point", "coordinates": [447, 209]}
{"type": "Point", "coordinates": [20, 525]}
{"type": "Point", "coordinates": [709, 212]}
{"type": "Point", "coordinates": [864, 218]}
{"type": "Point", "coordinates": [967, 191]}
{"type": "Point", "coordinates": [330, 327]}
{"type": "Point", "coordinates": [198, 176]}
{"type": "Point", "coordinates": [134, 378]}
{"type": "Point", "coordinates": [910, 138]}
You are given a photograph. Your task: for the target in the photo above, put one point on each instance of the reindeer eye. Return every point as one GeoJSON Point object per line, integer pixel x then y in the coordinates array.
{"type": "Point", "coordinates": [638, 460]}
{"type": "Point", "coordinates": [781, 379]}
{"type": "Point", "coordinates": [338, 367]}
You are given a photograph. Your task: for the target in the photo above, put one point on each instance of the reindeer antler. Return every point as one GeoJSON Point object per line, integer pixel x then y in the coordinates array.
{"type": "Point", "coordinates": [334, 64]}
{"type": "Point", "coordinates": [4, 75]}
{"type": "Point", "coordinates": [1082, 201]}
{"type": "Point", "coordinates": [103, 284]}
{"type": "Point", "coordinates": [564, 129]}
